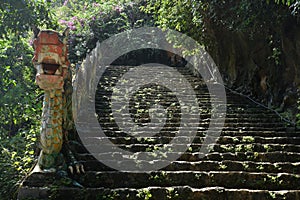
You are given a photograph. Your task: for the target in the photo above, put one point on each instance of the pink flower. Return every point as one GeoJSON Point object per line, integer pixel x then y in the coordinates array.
{"type": "Point", "coordinates": [70, 23]}
{"type": "Point", "coordinates": [118, 9]}
{"type": "Point", "coordinates": [82, 22]}
{"type": "Point", "coordinates": [31, 42]}
{"type": "Point", "coordinates": [72, 28]}
{"type": "Point", "coordinates": [96, 4]}
{"type": "Point", "coordinates": [65, 2]}
{"type": "Point", "coordinates": [62, 22]}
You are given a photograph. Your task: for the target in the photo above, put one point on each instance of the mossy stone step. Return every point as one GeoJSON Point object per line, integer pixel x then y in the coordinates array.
{"type": "Point", "coordinates": [228, 179]}
{"type": "Point", "coordinates": [277, 156]}
{"type": "Point", "coordinates": [221, 148]}
{"type": "Point", "coordinates": [208, 165]}
{"type": "Point", "coordinates": [222, 140]}
{"type": "Point", "coordinates": [260, 133]}
{"type": "Point", "coordinates": [156, 193]}
{"type": "Point", "coordinates": [195, 179]}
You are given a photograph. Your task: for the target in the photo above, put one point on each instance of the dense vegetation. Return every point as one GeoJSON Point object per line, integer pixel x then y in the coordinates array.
{"type": "Point", "coordinates": [20, 98]}
{"type": "Point", "coordinates": [249, 41]}
{"type": "Point", "coordinates": [96, 20]}
{"type": "Point", "coordinates": [20, 103]}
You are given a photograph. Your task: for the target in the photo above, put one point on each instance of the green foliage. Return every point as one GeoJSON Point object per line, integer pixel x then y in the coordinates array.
{"type": "Point", "coordinates": [196, 18]}
{"type": "Point", "coordinates": [183, 16]}
{"type": "Point", "coordinates": [16, 160]}
{"type": "Point", "coordinates": [20, 102]}
{"type": "Point", "coordinates": [17, 16]}
{"type": "Point", "coordinates": [206, 19]}
{"type": "Point", "coordinates": [252, 16]}
{"type": "Point", "coordinates": [144, 194]}
{"type": "Point", "coordinates": [294, 6]}
{"type": "Point", "coordinates": [20, 98]}
{"type": "Point", "coordinates": [285, 2]}
{"type": "Point", "coordinates": [18, 106]}
{"type": "Point", "coordinates": [19, 112]}
{"type": "Point", "coordinates": [99, 21]}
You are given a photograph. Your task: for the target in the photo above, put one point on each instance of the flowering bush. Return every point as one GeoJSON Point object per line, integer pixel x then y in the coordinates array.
{"type": "Point", "coordinates": [97, 20]}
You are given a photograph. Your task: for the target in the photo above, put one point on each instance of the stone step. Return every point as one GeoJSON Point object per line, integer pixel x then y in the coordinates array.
{"type": "Point", "coordinates": [208, 165]}
{"type": "Point", "coordinates": [104, 98]}
{"type": "Point", "coordinates": [107, 115]}
{"type": "Point", "coordinates": [110, 123]}
{"type": "Point", "coordinates": [222, 193]}
{"type": "Point", "coordinates": [221, 148]}
{"type": "Point", "coordinates": [156, 193]}
{"type": "Point", "coordinates": [243, 141]}
{"type": "Point", "coordinates": [229, 179]}
{"type": "Point", "coordinates": [230, 128]}
{"type": "Point", "coordinates": [164, 139]}
{"type": "Point", "coordinates": [236, 117]}
{"type": "Point", "coordinates": [196, 179]}
{"type": "Point", "coordinates": [226, 125]}
{"type": "Point", "coordinates": [169, 96]}
{"type": "Point", "coordinates": [261, 133]}
{"type": "Point", "coordinates": [252, 147]}
{"type": "Point", "coordinates": [168, 124]}
{"type": "Point", "coordinates": [258, 139]}
{"type": "Point", "coordinates": [157, 157]}
{"type": "Point", "coordinates": [229, 165]}
{"type": "Point", "coordinates": [278, 156]}
{"type": "Point", "coordinates": [207, 115]}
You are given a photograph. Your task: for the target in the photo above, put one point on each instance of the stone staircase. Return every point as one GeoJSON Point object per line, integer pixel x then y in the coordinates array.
{"type": "Point", "coordinates": [256, 156]}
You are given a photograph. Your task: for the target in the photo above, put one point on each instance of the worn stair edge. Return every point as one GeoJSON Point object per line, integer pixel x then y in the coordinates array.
{"type": "Point", "coordinates": [196, 179]}
{"type": "Point", "coordinates": [155, 193]}
{"type": "Point", "coordinates": [226, 165]}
